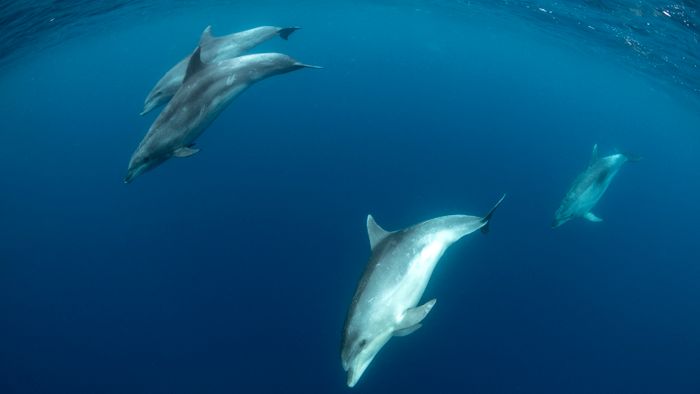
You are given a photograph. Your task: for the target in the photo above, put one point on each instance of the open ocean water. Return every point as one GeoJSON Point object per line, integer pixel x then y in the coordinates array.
{"type": "Point", "coordinates": [231, 271]}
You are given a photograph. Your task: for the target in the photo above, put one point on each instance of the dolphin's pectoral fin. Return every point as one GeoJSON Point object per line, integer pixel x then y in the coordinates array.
{"type": "Point", "coordinates": [407, 331]}
{"type": "Point", "coordinates": [185, 151]}
{"type": "Point", "coordinates": [592, 217]}
{"type": "Point", "coordinates": [412, 317]}
{"type": "Point", "coordinates": [375, 232]}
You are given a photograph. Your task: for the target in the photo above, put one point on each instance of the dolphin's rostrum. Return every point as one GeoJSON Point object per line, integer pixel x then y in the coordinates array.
{"type": "Point", "coordinates": [589, 187]}
{"type": "Point", "coordinates": [206, 90]}
{"type": "Point", "coordinates": [385, 303]}
{"type": "Point", "coordinates": [213, 49]}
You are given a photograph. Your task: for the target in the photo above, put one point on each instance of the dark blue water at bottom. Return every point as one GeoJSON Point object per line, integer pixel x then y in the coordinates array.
{"type": "Point", "coordinates": [232, 271]}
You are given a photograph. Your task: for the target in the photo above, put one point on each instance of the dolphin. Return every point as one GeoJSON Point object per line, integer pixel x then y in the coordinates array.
{"type": "Point", "coordinates": [213, 50]}
{"type": "Point", "coordinates": [206, 90]}
{"type": "Point", "coordinates": [385, 303]}
{"type": "Point", "coordinates": [589, 187]}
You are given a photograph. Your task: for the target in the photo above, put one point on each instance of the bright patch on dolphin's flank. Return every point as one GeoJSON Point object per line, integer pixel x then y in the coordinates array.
{"type": "Point", "coordinates": [431, 252]}
{"type": "Point", "coordinates": [436, 247]}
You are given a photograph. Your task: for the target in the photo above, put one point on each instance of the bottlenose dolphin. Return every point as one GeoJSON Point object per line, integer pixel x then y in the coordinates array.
{"type": "Point", "coordinates": [213, 50]}
{"type": "Point", "coordinates": [386, 299]}
{"type": "Point", "coordinates": [589, 187]}
{"type": "Point", "coordinates": [206, 90]}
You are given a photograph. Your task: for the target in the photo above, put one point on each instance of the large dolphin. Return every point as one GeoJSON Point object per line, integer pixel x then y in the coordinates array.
{"type": "Point", "coordinates": [213, 50]}
{"type": "Point", "coordinates": [206, 90]}
{"type": "Point", "coordinates": [589, 187]}
{"type": "Point", "coordinates": [386, 299]}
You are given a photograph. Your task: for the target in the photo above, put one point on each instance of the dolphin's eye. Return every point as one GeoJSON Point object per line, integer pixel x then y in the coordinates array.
{"type": "Point", "coordinates": [146, 159]}
{"type": "Point", "coordinates": [362, 343]}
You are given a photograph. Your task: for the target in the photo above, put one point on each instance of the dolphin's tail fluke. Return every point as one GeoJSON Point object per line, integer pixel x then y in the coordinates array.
{"type": "Point", "coordinates": [632, 156]}
{"type": "Point", "coordinates": [487, 218]}
{"type": "Point", "coordinates": [302, 65]}
{"type": "Point", "coordinates": [285, 32]}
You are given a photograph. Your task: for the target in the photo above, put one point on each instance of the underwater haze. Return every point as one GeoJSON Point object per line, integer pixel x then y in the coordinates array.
{"type": "Point", "coordinates": [232, 271]}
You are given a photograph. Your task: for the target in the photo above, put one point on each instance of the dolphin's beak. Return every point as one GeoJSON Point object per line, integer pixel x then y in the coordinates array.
{"type": "Point", "coordinates": [129, 176]}
{"type": "Point", "coordinates": [146, 108]}
{"type": "Point", "coordinates": [356, 370]}
{"type": "Point", "coordinates": [352, 377]}
{"type": "Point", "coordinates": [558, 222]}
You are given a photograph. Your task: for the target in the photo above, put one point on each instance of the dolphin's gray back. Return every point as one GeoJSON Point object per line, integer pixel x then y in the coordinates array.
{"type": "Point", "coordinates": [213, 49]}
{"type": "Point", "coordinates": [172, 79]}
{"type": "Point", "coordinates": [232, 45]}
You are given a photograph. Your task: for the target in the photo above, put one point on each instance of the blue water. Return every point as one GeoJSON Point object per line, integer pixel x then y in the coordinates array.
{"type": "Point", "coordinates": [232, 271]}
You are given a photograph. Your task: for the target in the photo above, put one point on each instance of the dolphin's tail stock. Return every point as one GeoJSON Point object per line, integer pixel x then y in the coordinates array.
{"type": "Point", "coordinates": [487, 218]}
{"type": "Point", "coordinates": [285, 32]}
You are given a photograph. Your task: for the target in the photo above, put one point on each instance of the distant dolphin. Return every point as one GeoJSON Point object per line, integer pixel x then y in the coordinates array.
{"type": "Point", "coordinates": [589, 187]}
{"type": "Point", "coordinates": [213, 49]}
{"type": "Point", "coordinates": [206, 90]}
{"type": "Point", "coordinates": [386, 299]}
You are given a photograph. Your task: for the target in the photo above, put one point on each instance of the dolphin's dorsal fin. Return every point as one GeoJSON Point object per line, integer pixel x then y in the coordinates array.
{"type": "Point", "coordinates": [195, 64]}
{"type": "Point", "coordinates": [594, 155]}
{"type": "Point", "coordinates": [375, 232]}
{"type": "Point", "coordinates": [206, 37]}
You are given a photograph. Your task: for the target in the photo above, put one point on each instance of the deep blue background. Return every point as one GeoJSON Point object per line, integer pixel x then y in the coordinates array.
{"type": "Point", "coordinates": [231, 271]}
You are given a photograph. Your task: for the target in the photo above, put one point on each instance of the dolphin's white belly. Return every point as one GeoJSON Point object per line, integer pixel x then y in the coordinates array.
{"type": "Point", "coordinates": [587, 200]}
{"type": "Point", "coordinates": [408, 290]}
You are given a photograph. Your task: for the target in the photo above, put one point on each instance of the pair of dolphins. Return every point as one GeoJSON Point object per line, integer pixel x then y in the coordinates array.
{"type": "Point", "coordinates": [200, 86]}
{"type": "Point", "coordinates": [385, 303]}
